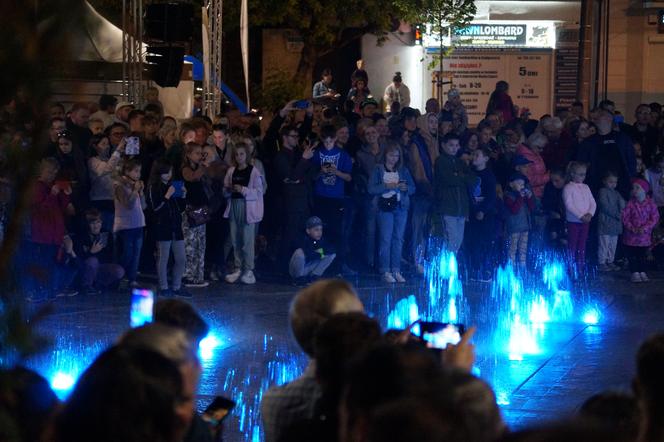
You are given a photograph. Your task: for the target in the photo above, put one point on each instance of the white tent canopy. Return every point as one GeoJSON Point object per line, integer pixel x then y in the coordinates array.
{"type": "Point", "coordinates": [96, 39]}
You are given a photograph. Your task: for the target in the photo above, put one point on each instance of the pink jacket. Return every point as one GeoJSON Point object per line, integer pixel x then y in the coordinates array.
{"type": "Point", "coordinates": [537, 173]}
{"type": "Point", "coordinates": [253, 195]}
{"type": "Point", "coordinates": [578, 201]}
{"type": "Point", "coordinates": [639, 216]}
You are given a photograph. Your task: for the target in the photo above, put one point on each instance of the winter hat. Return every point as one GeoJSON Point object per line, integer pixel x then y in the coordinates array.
{"type": "Point", "coordinates": [453, 93]}
{"type": "Point", "coordinates": [368, 102]}
{"type": "Point", "coordinates": [643, 183]}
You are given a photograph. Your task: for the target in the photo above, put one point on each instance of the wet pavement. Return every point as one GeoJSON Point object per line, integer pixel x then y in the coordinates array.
{"type": "Point", "coordinates": [543, 369]}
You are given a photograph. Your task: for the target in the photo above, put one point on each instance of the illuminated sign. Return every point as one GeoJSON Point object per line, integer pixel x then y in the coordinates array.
{"type": "Point", "coordinates": [496, 34]}
{"type": "Point", "coordinates": [660, 21]}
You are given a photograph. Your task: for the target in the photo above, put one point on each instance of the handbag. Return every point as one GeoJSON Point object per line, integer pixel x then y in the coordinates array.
{"type": "Point", "coordinates": [388, 204]}
{"type": "Point", "coordinates": [197, 216]}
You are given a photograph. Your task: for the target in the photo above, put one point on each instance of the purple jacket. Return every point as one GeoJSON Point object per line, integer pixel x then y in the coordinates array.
{"type": "Point", "coordinates": [639, 216]}
{"type": "Point", "coordinates": [253, 195]}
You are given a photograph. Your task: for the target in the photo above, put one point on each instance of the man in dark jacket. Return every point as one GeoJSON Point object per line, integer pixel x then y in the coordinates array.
{"type": "Point", "coordinates": [293, 175]}
{"type": "Point", "coordinates": [452, 179]}
{"type": "Point", "coordinates": [644, 133]}
{"type": "Point", "coordinates": [605, 151]}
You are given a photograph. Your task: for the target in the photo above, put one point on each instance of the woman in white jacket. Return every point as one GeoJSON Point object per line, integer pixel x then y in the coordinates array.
{"type": "Point", "coordinates": [396, 92]}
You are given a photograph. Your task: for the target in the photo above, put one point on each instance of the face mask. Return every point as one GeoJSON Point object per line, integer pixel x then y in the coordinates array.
{"type": "Point", "coordinates": [640, 195]}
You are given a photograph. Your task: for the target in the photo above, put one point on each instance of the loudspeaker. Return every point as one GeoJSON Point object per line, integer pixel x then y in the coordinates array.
{"type": "Point", "coordinates": [165, 64]}
{"type": "Point", "coordinates": [168, 22]}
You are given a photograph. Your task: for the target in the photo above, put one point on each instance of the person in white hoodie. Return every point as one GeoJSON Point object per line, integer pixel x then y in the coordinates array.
{"type": "Point", "coordinates": [580, 207]}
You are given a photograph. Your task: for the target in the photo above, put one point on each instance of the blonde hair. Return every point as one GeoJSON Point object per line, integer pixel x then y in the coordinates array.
{"type": "Point", "coordinates": [574, 167]}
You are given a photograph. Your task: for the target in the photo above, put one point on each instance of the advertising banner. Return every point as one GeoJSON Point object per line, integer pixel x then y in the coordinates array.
{"type": "Point", "coordinates": [475, 75]}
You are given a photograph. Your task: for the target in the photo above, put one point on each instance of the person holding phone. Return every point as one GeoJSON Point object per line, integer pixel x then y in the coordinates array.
{"type": "Point", "coordinates": [244, 187]}
{"type": "Point", "coordinates": [95, 252]}
{"type": "Point", "coordinates": [392, 185]}
{"type": "Point", "coordinates": [102, 165]}
{"type": "Point", "coordinates": [129, 217]}
{"type": "Point", "coordinates": [166, 199]}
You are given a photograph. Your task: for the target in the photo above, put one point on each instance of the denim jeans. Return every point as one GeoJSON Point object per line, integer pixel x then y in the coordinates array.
{"type": "Point", "coordinates": [453, 230]}
{"type": "Point", "coordinates": [131, 242]}
{"type": "Point", "coordinates": [391, 226]}
{"type": "Point", "coordinates": [420, 226]}
{"type": "Point", "coordinates": [371, 222]}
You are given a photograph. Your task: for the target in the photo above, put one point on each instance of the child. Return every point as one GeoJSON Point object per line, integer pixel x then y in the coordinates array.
{"type": "Point", "coordinates": [580, 207]}
{"type": "Point", "coordinates": [313, 256]}
{"type": "Point", "coordinates": [194, 172]}
{"type": "Point", "coordinates": [244, 185]}
{"type": "Point", "coordinates": [452, 178]}
{"type": "Point", "coordinates": [482, 225]}
{"type": "Point", "coordinates": [610, 205]}
{"type": "Point", "coordinates": [520, 203]}
{"type": "Point", "coordinates": [639, 219]}
{"type": "Point", "coordinates": [47, 226]}
{"type": "Point", "coordinates": [94, 250]}
{"type": "Point", "coordinates": [129, 218]}
{"type": "Point", "coordinates": [165, 198]}
{"type": "Point", "coordinates": [554, 209]}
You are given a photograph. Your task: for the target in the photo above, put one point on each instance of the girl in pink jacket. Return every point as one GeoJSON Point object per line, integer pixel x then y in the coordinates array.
{"type": "Point", "coordinates": [639, 218]}
{"type": "Point", "coordinates": [580, 208]}
{"type": "Point", "coordinates": [244, 185]}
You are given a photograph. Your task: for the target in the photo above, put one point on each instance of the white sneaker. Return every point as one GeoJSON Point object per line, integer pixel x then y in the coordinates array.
{"type": "Point", "coordinates": [233, 277]}
{"type": "Point", "coordinates": [636, 277]}
{"type": "Point", "coordinates": [248, 277]}
{"type": "Point", "coordinates": [399, 277]}
{"type": "Point", "coordinates": [644, 277]}
{"type": "Point", "coordinates": [387, 277]}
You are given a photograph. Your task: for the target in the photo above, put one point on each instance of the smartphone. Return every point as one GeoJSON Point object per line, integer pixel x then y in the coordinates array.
{"type": "Point", "coordinates": [103, 238]}
{"type": "Point", "coordinates": [142, 301]}
{"type": "Point", "coordinates": [178, 185]}
{"type": "Point", "coordinates": [327, 164]}
{"type": "Point", "coordinates": [133, 146]}
{"type": "Point", "coordinates": [440, 334]}
{"type": "Point", "coordinates": [218, 409]}
{"type": "Point", "coordinates": [301, 104]}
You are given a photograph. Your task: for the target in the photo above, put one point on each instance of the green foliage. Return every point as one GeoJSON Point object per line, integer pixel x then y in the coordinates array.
{"type": "Point", "coordinates": [445, 17]}
{"type": "Point", "coordinates": [278, 88]}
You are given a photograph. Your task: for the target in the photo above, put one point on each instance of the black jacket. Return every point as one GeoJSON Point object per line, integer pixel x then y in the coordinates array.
{"type": "Point", "coordinates": [167, 213]}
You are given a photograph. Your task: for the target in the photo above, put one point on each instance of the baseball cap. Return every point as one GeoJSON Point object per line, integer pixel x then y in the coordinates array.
{"type": "Point", "coordinates": [122, 104]}
{"type": "Point", "coordinates": [520, 160]}
{"type": "Point", "coordinates": [314, 221]}
{"type": "Point", "coordinates": [368, 102]}
{"type": "Point", "coordinates": [518, 176]}
{"type": "Point", "coordinates": [454, 92]}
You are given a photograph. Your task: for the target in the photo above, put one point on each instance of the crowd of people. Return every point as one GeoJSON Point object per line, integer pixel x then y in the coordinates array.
{"type": "Point", "coordinates": [333, 186]}
{"type": "Point", "coordinates": [361, 384]}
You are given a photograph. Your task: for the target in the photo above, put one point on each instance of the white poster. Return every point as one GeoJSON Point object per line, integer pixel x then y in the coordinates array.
{"type": "Point", "coordinates": [475, 74]}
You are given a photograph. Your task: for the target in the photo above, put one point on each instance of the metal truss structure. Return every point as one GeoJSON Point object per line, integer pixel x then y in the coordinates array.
{"type": "Point", "coordinates": [132, 51]}
{"type": "Point", "coordinates": [212, 97]}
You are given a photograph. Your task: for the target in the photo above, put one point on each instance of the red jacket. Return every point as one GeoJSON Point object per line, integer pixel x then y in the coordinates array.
{"type": "Point", "coordinates": [47, 221]}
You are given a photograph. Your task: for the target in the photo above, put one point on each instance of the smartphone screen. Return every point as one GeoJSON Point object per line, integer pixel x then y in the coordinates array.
{"type": "Point", "coordinates": [178, 185]}
{"type": "Point", "coordinates": [218, 409]}
{"type": "Point", "coordinates": [133, 146]}
{"type": "Point", "coordinates": [103, 238]}
{"type": "Point", "coordinates": [440, 334]}
{"type": "Point", "coordinates": [301, 104]}
{"type": "Point", "coordinates": [142, 301]}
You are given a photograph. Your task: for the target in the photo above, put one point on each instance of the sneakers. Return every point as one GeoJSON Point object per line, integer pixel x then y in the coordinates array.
{"type": "Point", "coordinates": [182, 294]}
{"type": "Point", "coordinates": [91, 291]}
{"type": "Point", "coordinates": [248, 277]}
{"type": "Point", "coordinates": [199, 284]}
{"type": "Point", "coordinates": [165, 293]}
{"type": "Point", "coordinates": [215, 275]}
{"type": "Point", "coordinates": [231, 278]}
{"type": "Point", "coordinates": [387, 277]}
{"type": "Point", "coordinates": [605, 268]}
{"type": "Point", "coordinates": [644, 277]}
{"type": "Point", "coordinates": [398, 277]}
{"type": "Point", "coordinates": [68, 293]}
{"type": "Point", "coordinates": [636, 277]}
